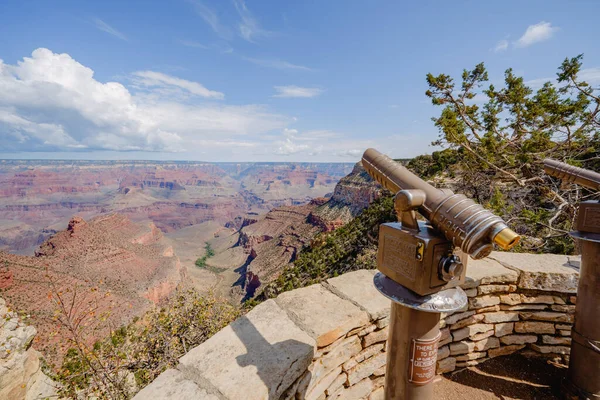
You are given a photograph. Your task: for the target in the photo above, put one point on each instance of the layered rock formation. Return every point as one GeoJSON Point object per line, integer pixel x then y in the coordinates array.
{"type": "Point", "coordinates": [115, 266]}
{"type": "Point", "coordinates": [273, 242]}
{"type": "Point", "coordinates": [352, 194]}
{"type": "Point", "coordinates": [39, 197]}
{"type": "Point", "coordinates": [328, 341]}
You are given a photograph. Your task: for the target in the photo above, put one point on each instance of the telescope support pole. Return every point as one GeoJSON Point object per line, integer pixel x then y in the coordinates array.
{"type": "Point", "coordinates": [414, 336]}
{"type": "Point", "coordinates": [406, 325]}
{"type": "Point", "coordinates": [583, 377]}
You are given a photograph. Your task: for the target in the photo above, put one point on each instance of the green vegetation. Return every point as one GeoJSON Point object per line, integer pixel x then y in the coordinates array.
{"type": "Point", "coordinates": [497, 138]}
{"type": "Point", "coordinates": [116, 368]}
{"type": "Point", "coordinates": [209, 252]}
{"type": "Point", "coordinates": [348, 248]}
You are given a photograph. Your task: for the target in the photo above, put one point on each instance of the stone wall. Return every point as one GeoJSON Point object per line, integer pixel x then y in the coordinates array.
{"type": "Point", "coordinates": [328, 341]}
{"type": "Point", "coordinates": [21, 376]}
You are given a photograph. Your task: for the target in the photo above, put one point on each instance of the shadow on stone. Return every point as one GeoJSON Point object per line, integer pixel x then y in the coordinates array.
{"type": "Point", "coordinates": [279, 365]}
{"type": "Point", "coordinates": [573, 264]}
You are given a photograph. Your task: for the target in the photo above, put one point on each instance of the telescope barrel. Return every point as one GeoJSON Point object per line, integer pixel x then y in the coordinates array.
{"type": "Point", "coordinates": [571, 174]}
{"type": "Point", "coordinates": [467, 224]}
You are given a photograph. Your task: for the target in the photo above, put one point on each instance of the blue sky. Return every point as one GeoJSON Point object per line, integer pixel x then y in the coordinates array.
{"type": "Point", "coordinates": [236, 80]}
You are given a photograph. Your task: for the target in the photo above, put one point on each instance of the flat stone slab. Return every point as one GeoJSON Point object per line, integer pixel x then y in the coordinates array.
{"type": "Point", "coordinates": [549, 272]}
{"type": "Point", "coordinates": [485, 271]}
{"type": "Point", "coordinates": [358, 287]}
{"type": "Point", "coordinates": [322, 314]}
{"type": "Point", "coordinates": [171, 384]}
{"type": "Point", "coordinates": [256, 357]}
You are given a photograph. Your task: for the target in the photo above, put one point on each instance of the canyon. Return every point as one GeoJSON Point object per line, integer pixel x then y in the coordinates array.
{"type": "Point", "coordinates": [38, 198]}
{"type": "Point", "coordinates": [112, 239]}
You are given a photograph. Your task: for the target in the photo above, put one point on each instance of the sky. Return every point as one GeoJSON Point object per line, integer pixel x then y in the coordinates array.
{"type": "Point", "coordinates": [244, 80]}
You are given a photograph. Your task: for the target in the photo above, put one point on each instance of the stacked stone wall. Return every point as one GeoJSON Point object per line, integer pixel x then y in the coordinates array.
{"type": "Point", "coordinates": [328, 341]}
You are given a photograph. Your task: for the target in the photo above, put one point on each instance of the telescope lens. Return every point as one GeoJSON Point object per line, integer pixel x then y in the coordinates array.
{"type": "Point", "coordinates": [507, 239]}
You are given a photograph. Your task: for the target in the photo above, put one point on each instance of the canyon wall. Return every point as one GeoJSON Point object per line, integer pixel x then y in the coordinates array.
{"type": "Point", "coordinates": [351, 195]}
{"type": "Point", "coordinates": [328, 341]}
{"type": "Point", "coordinates": [36, 197]}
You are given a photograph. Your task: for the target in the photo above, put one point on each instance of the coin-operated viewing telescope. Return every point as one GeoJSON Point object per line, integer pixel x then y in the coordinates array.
{"type": "Point", "coordinates": [583, 376]}
{"type": "Point", "coordinates": [454, 221]}
{"type": "Point", "coordinates": [421, 265]}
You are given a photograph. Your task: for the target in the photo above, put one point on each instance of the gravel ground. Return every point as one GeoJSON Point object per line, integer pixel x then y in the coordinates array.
{"type": "Point", "coordinates": [506, 378]}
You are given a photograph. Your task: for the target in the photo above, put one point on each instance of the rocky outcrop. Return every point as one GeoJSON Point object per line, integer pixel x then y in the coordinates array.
{"type": "Point", "coordinates": [21, 377]}
{"type": "Point", "coordinates": [273, 242]}
{"type": "Point", "coordinates": [328, 341]}
{"type": "Point", "coordinates": [352, 194]}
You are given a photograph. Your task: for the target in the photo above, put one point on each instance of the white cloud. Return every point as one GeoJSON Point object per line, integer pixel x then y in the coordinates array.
{"type": "Point", "coordinates": [538, 83]}
{"type": "Point", "coordinates": [249, 27]}
{"type": "Point", "coordinates": [160, 80]}
{"type": "Point", "coordinates": [590, 75]}
{"type": "Point", "coordinates": [288, 147]}
{"type": "Point", "coordinates": [50, 102]}
{"type": "Point", "coordinates": [212, 19]}
{"type": "Point", "coordinates": [502, 45]}
{"type": "Point", "coordinates": [322, 143]}
{"type": "Point", "coordinates": [536, 33]}
{"type": "Point", "coordinates": [296, 91]}
{"type": "Point", "coordinates": [277, 64]}
{"type": "Point", "coordinates": [351, 153]}
{"type": "Point", "coordinates": [103, 26]}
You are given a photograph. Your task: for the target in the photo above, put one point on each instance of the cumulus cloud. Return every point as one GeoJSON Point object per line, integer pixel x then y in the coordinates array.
{"type": "Point", "coordinates": [536, 33]}
{"type": "Point", "coordinates": [291, 91]}
{"type": "Point", "coordinates": [288, 147]}
{"type": "Point", "coordinates": [103, 26]}
{"type": "Point", "coordinates": [50, 102]}
{"type": "Point", "coordinates": [502, 45]}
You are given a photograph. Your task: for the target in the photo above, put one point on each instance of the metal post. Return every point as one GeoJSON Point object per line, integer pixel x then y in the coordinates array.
{"type": "Point", "coordinates": [408, 325]}
{"type": "Point", "coordinates": [583, 377]}
{"type": "Point", "coordinates": [413, 337]}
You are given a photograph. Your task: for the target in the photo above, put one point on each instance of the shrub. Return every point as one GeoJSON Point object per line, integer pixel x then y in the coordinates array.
{"type": "Point", "coordinates": [132, 356]}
